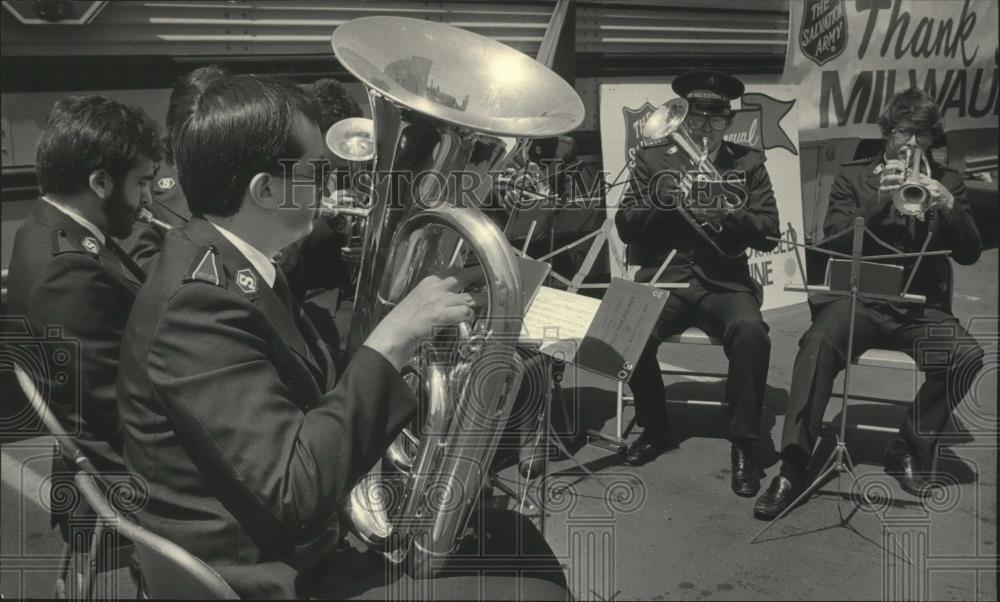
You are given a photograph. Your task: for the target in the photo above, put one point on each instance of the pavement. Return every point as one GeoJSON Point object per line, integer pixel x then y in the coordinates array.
{"type": "Point", "coordinates": [672, 529]}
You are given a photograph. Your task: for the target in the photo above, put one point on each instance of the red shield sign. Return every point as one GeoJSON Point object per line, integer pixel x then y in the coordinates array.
{"type": "Point", "coordinates": [634, 120]}
{"type": "Point", "coordinates": [823, 35]}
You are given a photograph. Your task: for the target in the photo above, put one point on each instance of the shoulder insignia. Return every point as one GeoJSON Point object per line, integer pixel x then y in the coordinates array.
{"type": "Point", "coordinates": [246, 279]}
{"type": "Point", "coordinates": [205, 267]}
{"type": "Point", "coordinates": [165, 184]}
{"type": "Point", "coordinates": [61, 243]}
{"type": "Point", "coordinates": [90, 244]}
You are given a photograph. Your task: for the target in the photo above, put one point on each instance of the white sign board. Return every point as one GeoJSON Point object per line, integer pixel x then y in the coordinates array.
{"type": "Point", "coordinates": [850, 56]}
{"type": "Point", "coordinates": [766, 120]}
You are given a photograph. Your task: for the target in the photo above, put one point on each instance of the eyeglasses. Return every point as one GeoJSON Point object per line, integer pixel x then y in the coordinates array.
{"type": "Point", "coordinates": [697, 122]}
{"type": "Point", "coordinates": [902, 135]}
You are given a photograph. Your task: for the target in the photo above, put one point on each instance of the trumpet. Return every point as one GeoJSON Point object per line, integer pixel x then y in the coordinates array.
{"type": "Point", "coordinates": [146, 216]}
{"type": "Point", "coordinates": [666, 123]}
{"type": "Point", "coordinates": [912, 199]}
{"type": "Point", "coordinates": [352, 139]}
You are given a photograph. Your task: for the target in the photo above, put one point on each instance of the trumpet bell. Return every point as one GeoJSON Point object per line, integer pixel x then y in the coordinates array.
{"type": "Point", "coordinates": [352, 139]}
{"type": "Point", "coordinates": [458, 77]}
{"type": "Point", "coordinates": [664, 121]}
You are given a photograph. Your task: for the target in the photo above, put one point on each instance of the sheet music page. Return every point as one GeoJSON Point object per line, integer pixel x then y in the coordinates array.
{"type": "Point", "coordinates": [557, 315]}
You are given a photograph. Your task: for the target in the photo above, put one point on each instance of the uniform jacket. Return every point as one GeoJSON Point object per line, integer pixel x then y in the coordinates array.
{"type": "Point", "coordinates": [235, 419]}
{"type": "Point", "coordinates": [168, 205]}
{"type": "Point", "coordinates": [652, 231]}
{"type": "Point", "coordinates": [855, 194]}
{"type": "Point", "coordinates": [62, 276]}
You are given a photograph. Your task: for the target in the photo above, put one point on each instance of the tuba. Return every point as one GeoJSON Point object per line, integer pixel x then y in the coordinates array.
{"type": "Point", "coordinates": [449, 107]}
{"type": "Point", "coordinates": [665, 124]}
{"type": "Point", "coordinates": [912, 199]}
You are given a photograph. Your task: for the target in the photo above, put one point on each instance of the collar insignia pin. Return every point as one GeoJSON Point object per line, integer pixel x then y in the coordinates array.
{"type": "Point", "coordinates": [247, 281]}
{"type": "Point", "coordinates": [90, 243]}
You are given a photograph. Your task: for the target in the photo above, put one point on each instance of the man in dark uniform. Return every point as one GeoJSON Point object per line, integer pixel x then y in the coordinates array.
{"type": "Point", "coordinates": [95, 160]}
{"type": "Point", "coordinates": [168, 203]}
{"type": "Point", "coordinates": [234, 414]}
{"type": "Point", "coordinates": [313, 263]}
{"type": "Point", "coordinates": [865, 189]}
{"type": "Point", "coordinates": [723, 299]}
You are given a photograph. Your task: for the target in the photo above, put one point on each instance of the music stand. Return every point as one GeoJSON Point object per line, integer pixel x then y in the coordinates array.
{"type": "Point", "coordinates": [839, 460]}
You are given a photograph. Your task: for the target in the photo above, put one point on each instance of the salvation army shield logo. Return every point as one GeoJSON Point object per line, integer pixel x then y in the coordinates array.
{"type": "Point", "coordinates": [823, 35]}
{"type": "Point", "coordinates": [634, 120]}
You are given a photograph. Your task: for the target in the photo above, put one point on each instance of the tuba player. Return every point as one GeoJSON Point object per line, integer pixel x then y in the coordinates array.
{"type": "Point", "coordinates": [710, 238]}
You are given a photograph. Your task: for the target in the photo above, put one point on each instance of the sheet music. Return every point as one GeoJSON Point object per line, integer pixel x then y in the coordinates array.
{"type": "Point", "coordinates": [556, 315]}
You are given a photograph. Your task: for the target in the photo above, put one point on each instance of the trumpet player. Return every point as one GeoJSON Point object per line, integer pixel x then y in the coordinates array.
{"type": "Point", "coordinates": [722, 298]}
{"type": "Point", "coordinates": [874, 189]}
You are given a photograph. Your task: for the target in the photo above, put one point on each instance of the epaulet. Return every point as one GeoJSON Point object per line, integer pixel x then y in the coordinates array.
{"type": "Point", "coordinates": [205, 268]}
{"type": "Point", "coordinates": [64, 243]}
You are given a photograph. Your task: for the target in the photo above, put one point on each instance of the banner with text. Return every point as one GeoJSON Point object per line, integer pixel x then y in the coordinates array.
{"type": "Point", "coordinates": [766, 120]}
{"type": "Point", "coordinates": [849, 56]}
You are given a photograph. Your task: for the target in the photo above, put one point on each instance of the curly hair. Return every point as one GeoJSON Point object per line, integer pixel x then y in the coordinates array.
{"type": "Point", "coordinates": [332, 102]}
{"type": "Point", "coordinates": [913, 105]}
{"type": "Point", "coordinates": [86, 133]}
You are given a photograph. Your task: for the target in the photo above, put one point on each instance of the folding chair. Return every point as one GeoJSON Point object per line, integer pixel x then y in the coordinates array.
{"type": "Point", "coordinates": [889, 359]}
{"type": "Point", "coordinates": [168, 570]}
{"type": "Point", "coordinates": [70, 560]}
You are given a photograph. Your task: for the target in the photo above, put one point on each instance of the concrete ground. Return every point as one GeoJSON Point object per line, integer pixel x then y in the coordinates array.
{"type": "Point", "coordinates": [673, 529]}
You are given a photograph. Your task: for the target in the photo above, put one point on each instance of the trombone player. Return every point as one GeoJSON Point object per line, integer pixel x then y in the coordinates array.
{"type": "Point", "coordinates": [710, 241]}
{"type": "Point", "coordinates": [881, 189]}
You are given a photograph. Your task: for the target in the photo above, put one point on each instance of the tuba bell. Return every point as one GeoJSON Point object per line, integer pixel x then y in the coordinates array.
{"type": "Point", "coordinates": [449, 108]}
{"type": "Point", "coordinates": [912, 198]}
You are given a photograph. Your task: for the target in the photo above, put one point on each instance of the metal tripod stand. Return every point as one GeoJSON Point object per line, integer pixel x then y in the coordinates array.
{"type": "Point", "coordinates": [839, 461]}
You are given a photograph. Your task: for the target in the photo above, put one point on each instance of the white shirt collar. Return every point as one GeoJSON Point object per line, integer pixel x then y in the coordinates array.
{"type": "Point", "coordinates": [258, 260]}
{"type": "Point", "coordinates": [76, 217]}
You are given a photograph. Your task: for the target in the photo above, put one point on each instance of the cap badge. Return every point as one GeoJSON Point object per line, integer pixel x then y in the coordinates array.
{"type": "Point", "coordinates": [247, 281]}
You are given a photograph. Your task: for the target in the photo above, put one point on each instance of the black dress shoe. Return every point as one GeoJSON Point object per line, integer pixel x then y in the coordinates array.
{"type": "Point", "coordinates": [745, 479]}
{"type": "Point", "coordinates": [903, 464]}
{"type": "Point", "coordinates": [649, 445]}
{"type": "Point", "coordinates": [779, 495]}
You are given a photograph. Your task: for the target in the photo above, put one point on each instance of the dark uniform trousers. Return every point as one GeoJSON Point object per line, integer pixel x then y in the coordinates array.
{"type": "Point", "coordinates": [731, 316]}
{"type": "Point", "coordinates": [949, 357]}
{"type": "Point", "coordinates": [723, 300]}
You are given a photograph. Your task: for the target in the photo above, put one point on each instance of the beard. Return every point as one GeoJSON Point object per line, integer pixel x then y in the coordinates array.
{"type": "Point", "coordinates": [120, 214]}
